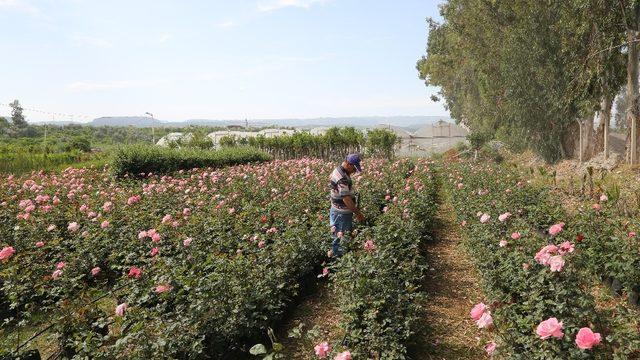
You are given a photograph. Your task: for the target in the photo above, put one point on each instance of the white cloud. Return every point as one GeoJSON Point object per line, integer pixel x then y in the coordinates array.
{"type": "Point", "coordinates": [272, 5]}
{"type": "Point", "coordinates": [88, 86]}
{"type": "Point", "coordinates": [21, 6]}
{"type": "Point", "coordinates": [226, 24]}
{"type": "Point", "coordinates": [91, 41]}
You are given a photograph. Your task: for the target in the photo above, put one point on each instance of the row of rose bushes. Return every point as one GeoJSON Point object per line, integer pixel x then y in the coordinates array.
{"type": "Point", "coordinates": [199, 262]}
{"type": "Point", "coordinates": [531, 259]}
{"type": "Point", "coordinates": [377, 284]}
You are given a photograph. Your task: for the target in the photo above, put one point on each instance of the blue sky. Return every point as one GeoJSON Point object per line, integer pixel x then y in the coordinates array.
{"type": "Point", "coordinates": [236, 59]}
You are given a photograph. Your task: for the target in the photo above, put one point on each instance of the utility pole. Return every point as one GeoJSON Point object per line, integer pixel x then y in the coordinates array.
{"type": "Point", "coordinates": [153, 128]}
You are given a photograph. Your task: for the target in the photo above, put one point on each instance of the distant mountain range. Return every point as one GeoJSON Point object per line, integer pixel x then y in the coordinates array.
{"type": "Point", "coordinates": [361, 121]}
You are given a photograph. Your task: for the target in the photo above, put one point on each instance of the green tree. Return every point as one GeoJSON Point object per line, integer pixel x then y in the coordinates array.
{"type": "Point", "coordinates": [16, 114]}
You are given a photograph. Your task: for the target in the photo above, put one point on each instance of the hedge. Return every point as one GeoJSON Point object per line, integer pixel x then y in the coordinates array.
{"type": "Point", "coordinates": [144, 159]}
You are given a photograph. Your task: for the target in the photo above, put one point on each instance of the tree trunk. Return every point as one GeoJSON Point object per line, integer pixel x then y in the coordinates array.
{"type": "Point", "coordinates": [588, 138]}
{"type": "Point", "coordinates": [632, 89]}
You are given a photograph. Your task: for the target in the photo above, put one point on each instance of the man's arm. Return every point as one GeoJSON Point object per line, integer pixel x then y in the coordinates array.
{"type": "Point", "coordinates": [351, 205]}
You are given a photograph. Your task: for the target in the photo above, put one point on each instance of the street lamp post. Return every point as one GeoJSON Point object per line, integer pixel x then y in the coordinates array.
{"type": "Point", "coordinates": [153, 128]}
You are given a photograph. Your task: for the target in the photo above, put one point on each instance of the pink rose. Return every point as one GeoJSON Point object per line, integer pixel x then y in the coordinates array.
{"type": "Point", "coordinates": [73, 226]}
{"type": "Point", "coordinates": [556, 263]}
{"type": "Point", "coordinates": [56, 274]}
{"type": "Point", "coordinates": [167, 218]}
{"type": "Point", "coordinates": [186, 242]}
{"type": "Point", "coordinates": [477, 311]}
{"type": "Point", "coordinates": [596, 207]}
{"type": "Point", "coordinates": [186, 211]}
{"type": "Point", "coordinates": [346, 355]}
{"type": "Point", "coordinates": [369, 246]}
{"type": "Point", "coordinates": [60, 265]}
{"type": "Point", "coordinates": [104, 224]}
{"type": "Point", "coordinates": [490, 348]}
{"type": "Point", "coordinates": [485, 320]}
{"type": "Point", "coordinates": [142, 234]}
{"type": "Point", "coordinates": [503, 243]}
{"type": "Point", "coordinates": [95, 271]}
{"type": "Point", "coordinates": [120, 309]}
{"type": "Point", "coordinates": [51, 227]}
{"type": "Point", "coordinates": [544, 255]}
{"type": "Point", "coordinates": [261, 244]}
{"type": "Point", "coordinates": [134, 272]}
{"type": "Point", "coordinates": [566, 247]}
{"type": "Point", "coordinates": [504, 217]}
{"type": "Point", "coordinates": [550, 327]}
{"type": "Point", "coordinates": [555, 229]}
{"type": "Point", "coordinates": [484, 218]}
{"type": "Point", "coordinates": [154, 251]}
{"type": "Point", "coordinates": [586, 339]}
{"type": "Point", "coordinates": [155, 237]}
{"type": "Point", "coordinates": [631, 234]}
{"type": "Point", "coordinates": [322, 350]}
{"type": "Point", "coordinates": [516, 236]}
{"type": "Point", "coordinates": [162, 288]}
{"type": "Point", "coordinates": [40, 244]}
{"type": "Point", "coordinates": [603, 198]}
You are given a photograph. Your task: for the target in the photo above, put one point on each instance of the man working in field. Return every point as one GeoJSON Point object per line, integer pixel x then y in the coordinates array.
{"type": "Point", "coordinates": [343, 202]}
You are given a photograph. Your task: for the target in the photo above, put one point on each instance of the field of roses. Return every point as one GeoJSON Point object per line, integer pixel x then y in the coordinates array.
{"type": "Point", "coordinates": [539, 267]}
{"type": "Point", "coordinates": [196, 264]}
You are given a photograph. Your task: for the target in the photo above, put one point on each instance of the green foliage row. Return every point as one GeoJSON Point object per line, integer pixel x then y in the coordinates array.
{"type": "Point", "coordinates": [144, 159]}
{"type": "Point", "coordinates": [378, 291]}
{"type": "Point", "coordinates": [334, 144]}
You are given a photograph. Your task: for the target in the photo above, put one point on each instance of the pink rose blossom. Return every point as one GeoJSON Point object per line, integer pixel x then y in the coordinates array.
{"type": "Point", "coordinates": [477, 311]}
{"type": "Point", "coordinates": [40, 244]}
{"type": "Point", "coordinates": [186, 242]}
{"type": "Point", "coordinates": [134, 272]}
{"type": "Point", "coordinates": [550, 328]}
{"type": "Point", "coordinates": [596, 207]}
{"type": "Point", "coordinates": [60, 265]}
{"type": "Point", "coordinates": [485, 320]}
{"type": "Point", "coordinates": [154, 251]}
{"type": "Point", "coordinates": [556, 263]}
{"type": "Point", "coordinates": [162, 288]}
{"type": "Point", "coordinates": [516, 236]}
{"type": "Point", "coordinates": [56, 274]}
{"type": "Point", "coordinates": [503, 243]}
{"type": "Point", "coordinates": [95, 271]}
{"type": "Point", "coordinates": [346, 355]}
{"type": "Point", "coordinates": [120, 309]}
{"type": "Point", "coordinates": [186, 211]}
{"type": "Point", "coordinates": [142, 234]}
{"type": "Point", "coordinates": [484, 218]}
{"type": "Point", "coordinates": [369, 246]}
{"type": "Point", "coordinates": [167, 218]}
{"type": "Point", "coordinates": [155, 237]}
{"type": "Point", "coordinates": [104, 224]}
{"type": "Point", "coordinates": [490, 348]}
{"type": "Point", "coordinates": [566, 247]}
{"type": "Point", "coordinates": [504, 217]}
{"type": "Point", "coordinates": [51, 227]}
{"type": "Point", "coordinates": [261, 244]}
{"type": "Point", "coordinates": [322, 350]}
{"type": "Point", "coordinates": [632, 234]}
{"type": "Point", "coordinates": [586, 338]}
{"type": "Point", "coordinates": [556, 229]}
{"type": "Point", "coordinates": [604, 198]}
{"type": "Point", "coordinates": [73, 226]}
{"type": "Point", "coordinates": [6, 252]}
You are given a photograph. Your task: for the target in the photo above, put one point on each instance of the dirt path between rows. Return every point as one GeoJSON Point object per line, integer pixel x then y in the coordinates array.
{"type": "Point", "coordinates": [453, 287]}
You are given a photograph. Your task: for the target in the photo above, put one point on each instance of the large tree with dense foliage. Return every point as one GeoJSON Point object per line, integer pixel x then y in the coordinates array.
{"type": "Point", "coordinates": [531, 72]}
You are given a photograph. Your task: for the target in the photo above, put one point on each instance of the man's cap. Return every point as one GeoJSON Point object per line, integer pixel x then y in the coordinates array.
{"type": "Point", "coordinates": [354, 159]}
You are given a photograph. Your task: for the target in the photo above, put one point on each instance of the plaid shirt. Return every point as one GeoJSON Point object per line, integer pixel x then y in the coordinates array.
{"type": "Point", "coordinates": [341, 186]}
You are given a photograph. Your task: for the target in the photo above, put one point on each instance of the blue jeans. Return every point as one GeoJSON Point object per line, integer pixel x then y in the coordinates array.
{"type": "Point", "coordinates": [343, 223]}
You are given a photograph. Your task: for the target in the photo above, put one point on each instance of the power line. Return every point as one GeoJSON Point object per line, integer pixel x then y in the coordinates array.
{"type": "Point", "coordinates": [51, 113]}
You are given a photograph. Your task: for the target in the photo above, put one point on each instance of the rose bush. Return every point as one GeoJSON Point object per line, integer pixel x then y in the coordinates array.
{"type": "Point", "coordinates": [542, 273]}
{"type": "Point", "coordinates": [205, 259]}
{"type": "Point", "coordinates": [378, 289]}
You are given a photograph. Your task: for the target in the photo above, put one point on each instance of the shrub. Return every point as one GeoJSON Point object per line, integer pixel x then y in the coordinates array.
{"type": "Point", "coordinates": [143, 159]}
